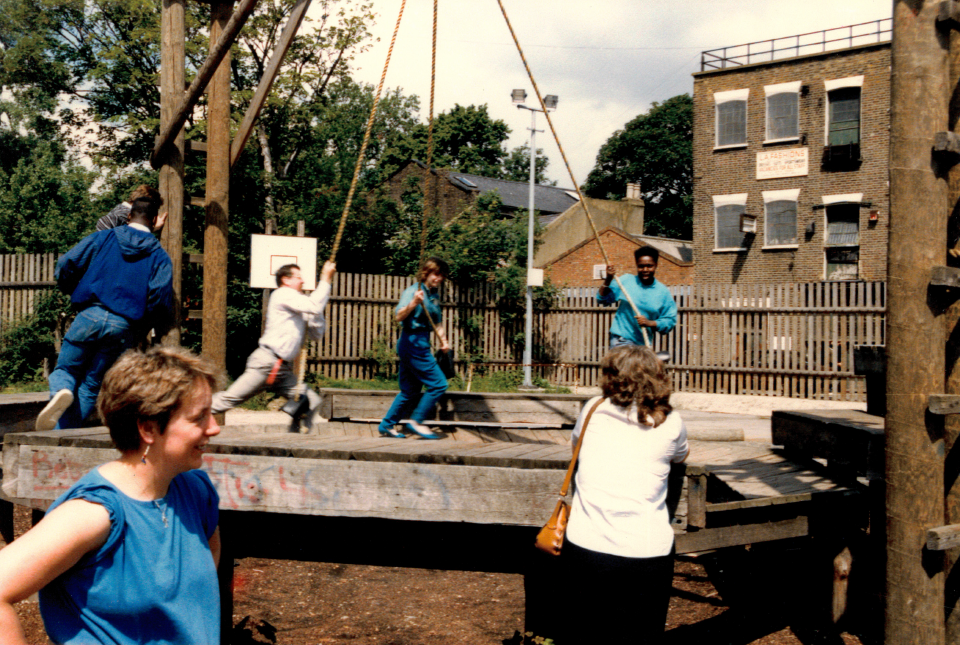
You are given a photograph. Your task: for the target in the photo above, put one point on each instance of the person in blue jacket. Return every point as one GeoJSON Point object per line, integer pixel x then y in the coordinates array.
{"type": "Point", "coordinates": [121, 281]}
{"type": "Point", "coordinates": [419, 304]}
{"type": "Point", "coordinates": [658, 311]}
{"type": "Point", "coordinates": [128, 554]}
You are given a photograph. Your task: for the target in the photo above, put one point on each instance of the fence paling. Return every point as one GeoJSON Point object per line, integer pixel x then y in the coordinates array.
{"type": "Point", "coordinates": [786, 339]}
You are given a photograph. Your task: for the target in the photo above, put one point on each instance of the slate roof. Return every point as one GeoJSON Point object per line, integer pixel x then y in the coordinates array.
{"type": "Point", "coordinates": [678, 249]}
{"type": "Point", "coordinates": [549, 200]}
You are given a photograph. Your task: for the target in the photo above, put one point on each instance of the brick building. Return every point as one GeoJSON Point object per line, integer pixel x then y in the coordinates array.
{"type": "Point", "coordinates": [455, 191]}
{"type": "Point", "coordinates": [582, 265]}
{"type": "Point", "coordinates": [800, 141]}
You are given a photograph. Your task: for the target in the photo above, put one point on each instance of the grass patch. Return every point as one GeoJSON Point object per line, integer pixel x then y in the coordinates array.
{"type": "Point", "coordinates": [24, 388]}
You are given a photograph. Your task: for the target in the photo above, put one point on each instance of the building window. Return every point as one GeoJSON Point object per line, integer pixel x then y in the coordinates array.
{"type": "Point", "coordinates": [727, 210]}
{"type": "Point", "coordinates": [780, 217]}
{"type": "Point", "coordinates": [843, 111]}
{"type": "Point", "coordinates": [731, 123]}
{"type": "Point", "coordinates": [783, 103]}
{"type": "Point", "coordinates": [842, 243]}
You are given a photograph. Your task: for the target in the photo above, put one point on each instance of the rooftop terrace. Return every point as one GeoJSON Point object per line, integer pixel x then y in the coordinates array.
{"type": "Point", "coordinates": [815, 42]}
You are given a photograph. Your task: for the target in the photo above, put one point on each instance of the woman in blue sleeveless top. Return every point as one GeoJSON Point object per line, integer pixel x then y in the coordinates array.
{"type": "Point", "coordinates": [129, 553]}
{"type": "Point", "coordinates": [419, 313]}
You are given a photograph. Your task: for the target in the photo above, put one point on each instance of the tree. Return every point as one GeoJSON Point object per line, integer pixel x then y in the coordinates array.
{"type": "Point", "coordinates": [467, 140]}
{"type": "Point", "coordinates": [517, 166]}
{"type": "Point", "coordinates": [656, 150]}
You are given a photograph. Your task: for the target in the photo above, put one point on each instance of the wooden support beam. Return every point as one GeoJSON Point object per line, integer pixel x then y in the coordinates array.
{"type": "Point", "coordinates": [913, 468]}
{"type": "Point", "coordinates": [218, 53]}
{"type": "Point", "coordinates": [200, 202]}
{"type": "Point", "coordinates": [172, 75]}
{"type": "Point", "coordinates": [196, 146]}
{"type": "Point", "coordinates": [266, 82]}
{"type": "Point", "coordinates": [945, 277]}
{"type": "Point", "coordinates": [946, 145]}
{"type": "Point", "coordinates": [697, 501]}
{"type": "Point", "coordinates": [949, 14]}
{"type": "Point", "coordinates": [943, 537]}
{"type": "Point", "coordinates": [944, 403]}
{"type": "Point", "coordinates": [215, 234]}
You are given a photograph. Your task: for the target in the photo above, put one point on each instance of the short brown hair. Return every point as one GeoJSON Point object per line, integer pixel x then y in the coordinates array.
{"type": "Point", "coordinates": [433, 265]}
{"type": "Point", "coordinates": [633, 374]}
{"type": "Point", "coordinates": [145, 192]}
{"type": "Point", "coordinates": [285, 272]}
{"type": "Point", "coordinates": [148, 386]}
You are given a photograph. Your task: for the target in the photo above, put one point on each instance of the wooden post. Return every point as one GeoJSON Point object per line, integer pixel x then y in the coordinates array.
{"type": "Point", "coordinates": [269, 228]}
{"type": "Point", "coordinates": [218, 194]}
{"type": "Point", "coordinates": [951, 327]}
{"type": "Point", "coordinates": [171, 170]}
{"type": "Point", "coordinates": [915, 340]}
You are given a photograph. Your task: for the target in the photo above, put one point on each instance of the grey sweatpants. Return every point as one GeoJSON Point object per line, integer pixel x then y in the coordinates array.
{"type": "Point", "coordinates": [254, 380]}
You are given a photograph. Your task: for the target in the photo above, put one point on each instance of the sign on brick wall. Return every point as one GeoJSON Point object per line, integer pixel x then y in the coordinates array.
{"type": "Point", "coordinates": [791, 162]}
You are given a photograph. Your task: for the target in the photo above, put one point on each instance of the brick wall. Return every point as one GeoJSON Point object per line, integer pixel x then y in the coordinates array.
{"type": "Point", "coordinates": [731, 171]}
{"type": "Point", "coordinates": [575, 269]}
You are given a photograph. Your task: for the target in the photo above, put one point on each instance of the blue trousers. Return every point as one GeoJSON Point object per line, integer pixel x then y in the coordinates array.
{"type": "Point", "coordinates": [418, 369]}
{"type": "Point", "coordinates": [95, 340]}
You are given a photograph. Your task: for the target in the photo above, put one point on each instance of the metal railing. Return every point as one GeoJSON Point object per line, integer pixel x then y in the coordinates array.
{"type": "Point", "coordinates": [815, 42]}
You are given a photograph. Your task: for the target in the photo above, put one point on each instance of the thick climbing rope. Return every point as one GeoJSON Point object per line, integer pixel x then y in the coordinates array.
{"type": "Point", "coordinates": [429, 202]}
{"type": "Point", "coordinates": [586, 209]}
{"type": "Point", "coordinates": [302, 372]}
{"type": "Point", "coordinates": [366, 140]}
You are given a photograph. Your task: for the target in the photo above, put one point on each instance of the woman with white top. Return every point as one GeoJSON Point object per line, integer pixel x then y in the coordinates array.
{"type": "Point", "coordinates": [618, 552]}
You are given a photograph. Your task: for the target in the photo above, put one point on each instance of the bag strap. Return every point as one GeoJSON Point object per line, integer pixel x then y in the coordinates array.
{"type": "Point", "coordinates": [576, 449]}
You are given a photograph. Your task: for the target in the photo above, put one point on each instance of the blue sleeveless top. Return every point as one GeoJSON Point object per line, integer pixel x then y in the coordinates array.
{"type": "Point", "coordinates": [148, 583]}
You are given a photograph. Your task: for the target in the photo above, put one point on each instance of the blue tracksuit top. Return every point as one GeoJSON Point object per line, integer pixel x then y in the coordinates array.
{"type": "Point", "coordinates": [654, 302]}
{"type": "Point", "coordinates": [123, 269]}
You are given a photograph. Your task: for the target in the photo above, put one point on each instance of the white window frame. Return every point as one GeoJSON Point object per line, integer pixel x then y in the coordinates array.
{"type": "Point", "coordinates": [720, 98]}
{"type": "Point", "coordinates": [836, 84]}
{"type": "Point", "coordinates": [793, 87]}
{"type": "Point", "coordinates": [739, 199]}
{"type": "Point", "coordinates": [789, 195]}
{"type": "Point", "coordinates": [829, 200]}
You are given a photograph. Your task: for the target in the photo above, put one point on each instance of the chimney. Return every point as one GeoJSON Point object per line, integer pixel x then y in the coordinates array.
{"type": "Point", "coordinates": [634, 223]}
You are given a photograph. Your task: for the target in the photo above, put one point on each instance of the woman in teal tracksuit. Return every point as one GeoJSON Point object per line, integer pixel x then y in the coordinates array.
{"type": "Point", "coordinates": [418, 304]}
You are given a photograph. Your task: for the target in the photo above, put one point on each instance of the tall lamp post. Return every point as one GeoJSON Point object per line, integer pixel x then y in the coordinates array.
{"type": "Point", "coordinates": [550, 102]}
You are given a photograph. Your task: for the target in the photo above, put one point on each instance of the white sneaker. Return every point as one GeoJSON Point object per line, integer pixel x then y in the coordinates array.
{"type": "Point", "coordinates": [48, 417]}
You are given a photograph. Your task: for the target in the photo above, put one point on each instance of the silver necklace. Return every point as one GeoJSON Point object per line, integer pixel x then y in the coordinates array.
{"type": "Point", "coordinates": [163, 512]}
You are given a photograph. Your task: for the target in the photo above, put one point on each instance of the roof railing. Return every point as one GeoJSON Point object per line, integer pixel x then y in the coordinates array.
{"type": "Point", "coordinates": [815, 42]}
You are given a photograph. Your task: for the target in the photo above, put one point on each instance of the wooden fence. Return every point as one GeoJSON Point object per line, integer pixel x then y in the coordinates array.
{"type": "Point", "coordinates": [22, 279]}
{"type": "Point", "coordinates": [792, 340]}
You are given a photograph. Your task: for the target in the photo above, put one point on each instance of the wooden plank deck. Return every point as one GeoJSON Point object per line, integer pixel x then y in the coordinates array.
{"type": "Point", "coordinates": [450, 480]}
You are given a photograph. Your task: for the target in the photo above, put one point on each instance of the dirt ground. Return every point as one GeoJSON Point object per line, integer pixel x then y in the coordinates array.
{"type": "Point", "coordinates": [302, 603]}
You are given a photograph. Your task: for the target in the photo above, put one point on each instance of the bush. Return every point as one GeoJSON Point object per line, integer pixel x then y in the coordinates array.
{"type": "Point", "coordinates": [24, 345]}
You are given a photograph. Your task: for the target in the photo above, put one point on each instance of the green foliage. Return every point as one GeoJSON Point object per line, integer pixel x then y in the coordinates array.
{"type": "Point", "coordinates": [318, 380]}
{"type": "Point", "coordinates": [24, 345]}
{"type": "Point", "coordinates": [384, 356]}
{"type": "Point", "coordinates": [45, 204]}
{"type": "Point", "coordinates": [656, 150]}
{"type": "Point", "coordinates": [465, 139]}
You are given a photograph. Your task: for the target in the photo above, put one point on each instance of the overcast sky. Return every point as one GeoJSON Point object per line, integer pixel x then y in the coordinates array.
{"type": "Point", "coordinates": [607, 60]}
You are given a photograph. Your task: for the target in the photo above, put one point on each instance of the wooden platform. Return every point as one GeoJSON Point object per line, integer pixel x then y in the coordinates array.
{"type": "Point", "coordinates": [849, 440]}
{"type": "Point", "coordinates": [18, 412]}
{"type": "Point", "coordinates": [736, 493]}
{"type": "Point", "coordinates": [463, 406]}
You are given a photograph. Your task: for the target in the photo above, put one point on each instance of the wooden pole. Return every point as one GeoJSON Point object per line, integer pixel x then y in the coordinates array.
{"type": "Point", "coordinates": [915, 340]}
{"type": "Point", "coordinates": [269, 76]}
{"type": "Point", "coordinates": [171, 172]}
{"type": "Point", "coordinates": [218, 194]}
{"type": "Point", "coordinates": [952, 359]}
{"type": "Point", "coordinates": [219, 51]}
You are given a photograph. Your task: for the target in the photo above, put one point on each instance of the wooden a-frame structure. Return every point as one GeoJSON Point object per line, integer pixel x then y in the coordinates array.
{"type": "Point", "coordinates": [176, 104]}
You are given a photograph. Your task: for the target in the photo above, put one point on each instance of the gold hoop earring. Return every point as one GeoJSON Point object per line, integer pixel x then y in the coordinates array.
{"type": "Point", "coordinates": [143, 459]}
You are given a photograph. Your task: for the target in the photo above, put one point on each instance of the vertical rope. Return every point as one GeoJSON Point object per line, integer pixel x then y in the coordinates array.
{"type": "Point", "coordinates": [566, 163]}
{"type": "Point", "coordinates": [429, 202]}
{"type": "Point", "coordinates": [366, 139]}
